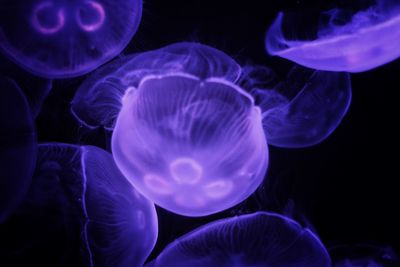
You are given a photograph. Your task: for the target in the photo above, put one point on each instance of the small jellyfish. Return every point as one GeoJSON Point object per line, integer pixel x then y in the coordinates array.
{"type": "Point", "coordinates": [185, 135]}
{"type": "Point", "coordinates": [356, 43]}
{"type": "Point", "coordinates": [261, 239]}
{"type": "Point", "coordinates": [18, 146]}
{"type": "Point", "coordinates": [187, 131]}
{"type": "Point", "coordinates": [306, 108]}
{"type": "Point", "coordinates": [81, 208]}
{"type": "Point", "coordinates": [363, 255]}
{"type": "Point", "coordinates": [62, 39]}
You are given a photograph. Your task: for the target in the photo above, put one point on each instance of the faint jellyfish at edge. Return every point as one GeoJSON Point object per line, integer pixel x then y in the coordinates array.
{"type": "Point", "coordinates": [186, 136]}
{"type": "Point", "coordinates": [260, 239]}
{"type": "Point", "coordinates": [345, 41]}
{"type": "Point", "coordinates": [18, 146]}
{"type": "Point", "coordinates": [187, 131]}
{"type": "Point", "coordinates": [81, 208]}
{"type": "Point", "coordinates": [36, 89]}
{"type": "Point", "coordinates": [63, 39]}
{"type": "Point", "coordinates": [306, 108]}
{"type": "Point", "coordinates": [363, 255]}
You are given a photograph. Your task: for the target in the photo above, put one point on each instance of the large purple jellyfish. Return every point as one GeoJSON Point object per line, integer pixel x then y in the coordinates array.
{"type": "Point", "coordinates": [261, 239]}
{"type": "Point", "coordinates": [17, 148]}
{"type": "Point", "coordinates": [187, 134]}
{"type": "Point", "coordinates": [81, 208]}
{"type": "Point", "coordinates": [61, 39]}
{"type": "Point", "coordinates": [365, 41]}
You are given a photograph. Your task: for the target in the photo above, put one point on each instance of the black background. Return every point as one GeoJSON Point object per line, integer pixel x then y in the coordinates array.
{"type": "Point", "coordinates": [345, 188]}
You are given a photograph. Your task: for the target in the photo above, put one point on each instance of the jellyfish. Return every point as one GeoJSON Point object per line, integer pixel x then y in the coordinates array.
{"type": "Point", "coordinates": [63, 39]}
{"type": "Point", "coordinates": [99, 99]}
{"type": "Point", "coordinates": [306, 108]}
{"type": "Point", "coordinates": [186, 129]}
{"type": "Point", "coordinates": [352, 43]}
{"type": "Point", "coordinates": [186, 136]}
{"type": "Point", "coordinates": [361, 255]}
{"type": "Point", "coordinates": [17, 148]}
{"type": "Point", "coordinates": [36, 89]}
{"type": "Point", "coordinates": [81, 208]}
{"type": "Point", "coordinates": [260, 239]}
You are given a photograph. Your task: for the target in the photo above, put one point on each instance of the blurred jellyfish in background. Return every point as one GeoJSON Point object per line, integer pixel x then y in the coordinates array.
{"type": "Point", "coordinates": [363, 255]}
{"type": "Point", "coordinates": [81, 208]}
{"type": "Point", "coordinates": [36, 89]}
{"type": "Point", "coordinates": [345, 41]}
{"type": "Point", "coordinates": [187, 134]}
{"type": "Point", "coordinates": [63, 39]}
{"type": "Point", "coordinates": [260, 239]}
{"type": "Point", "coordinates": [18, 146]}
{"type": "Point", "coordinates": [306, 108]}
{"type": "Point", "coordinates": [98, 101]}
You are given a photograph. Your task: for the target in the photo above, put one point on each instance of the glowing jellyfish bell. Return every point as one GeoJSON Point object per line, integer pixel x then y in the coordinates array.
{"type": "Point", "coordinates": [17, 146]}
{"type": "Point", "coordinates": [186, 136]}
{"type": "Point", "coordinates": [261, 239]}
{"type": "Point", "coordinates": [61, 39]}
{"type": "Point", "coordinates": [79, 199]}
{"type": "Point", "coordinates": [365, 41]}
{"type": "Point", "coordinates": [194, 146]}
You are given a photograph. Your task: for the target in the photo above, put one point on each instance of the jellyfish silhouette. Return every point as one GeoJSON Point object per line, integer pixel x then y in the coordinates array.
{"type": "Point", "coordinates": [36, 89]}
{"type": "Point", "coordinates": [360, 255]}
{"type": "Point", "coordinates": [81, 208]}
{"type": "Point", "coordinates": [260, 239]}
{"type": "Point", "coordinates": [186, 133]}
{"type": "Point", "coordinates": [62, 39]}
{"type": "Point", "coordinates": [17, 148]}
{"type": "Point", "coordinates": [306, 108]}
{"type": "Point", "coordinates": [363, 41]}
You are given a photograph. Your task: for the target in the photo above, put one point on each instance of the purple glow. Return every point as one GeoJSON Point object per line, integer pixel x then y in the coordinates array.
{"type": "Point", "coordinates": [186, 136]}
{"type": "Point", "coordinates": [17, 146]}
{"type": "Point", "coordinates": [254, 240]}
{"type": "Point", "coordinates": [40, 25]}
{"type": "Point", "coordinates": [63, 39]}
{"type": "Point", "coordinates": [191, 136]}
{"type": "Point", "coordinates": [99, 100]}
{"type": "Point", "coordinates": [313, 109]}
{"type": "Point", "coordinates": [84, 14]}
{"type": "Point", "coordinates": [185, 171]}
{"type": "Point", "coordinates": [367, 41]}
{"type": "Point", "coordinates": [92, 207]}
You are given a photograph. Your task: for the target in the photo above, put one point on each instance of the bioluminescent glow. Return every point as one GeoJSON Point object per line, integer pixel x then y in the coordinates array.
{"type": "Point", "coordinates": [194, 146]}
{"type": "Point", "coordinates": [306, 108]}
{"type": "Point", "coordinates": [62, 39]}
{"type": "Point", "coordinates": [79, 197]}
{"type": "Point", "coordinates": [186, 136]}
{"type": "Point", "coordinates": [366, 41]}
{"type": "Point", "coordinates": [18, 146]}
{"type": "Point", "coordinates": [99, 100]}
{"type": "Point", "coordinates": [256, 240]}
{"type": "Point", "coordinates": [187, 131]}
